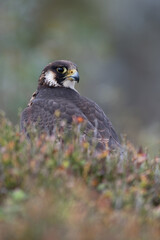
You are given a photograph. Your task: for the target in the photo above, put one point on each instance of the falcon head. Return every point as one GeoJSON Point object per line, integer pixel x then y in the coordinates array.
{"type": "Point", "coordinates": [60, 73]}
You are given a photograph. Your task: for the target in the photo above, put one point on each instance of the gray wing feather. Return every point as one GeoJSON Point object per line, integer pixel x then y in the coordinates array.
{"type": "Point", "coordinates": [42, 113]}
{"type": "Point", "coordinates": [42, 110]}
{"type": "Point", "coordinates": [99, 120]}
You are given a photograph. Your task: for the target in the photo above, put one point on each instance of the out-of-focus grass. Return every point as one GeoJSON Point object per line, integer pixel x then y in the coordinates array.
{"type": "Point", "coordinates": [61, 188]}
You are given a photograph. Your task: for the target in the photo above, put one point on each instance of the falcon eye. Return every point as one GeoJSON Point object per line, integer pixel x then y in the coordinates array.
{"type": "Point", "coordinates": [61, 70]}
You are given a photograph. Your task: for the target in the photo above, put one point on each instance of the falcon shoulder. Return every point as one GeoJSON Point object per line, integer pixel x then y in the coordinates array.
{"type": "Point", "coordinates": [43, 110]}
{"type": "Point", "coordinates": [98, 119]}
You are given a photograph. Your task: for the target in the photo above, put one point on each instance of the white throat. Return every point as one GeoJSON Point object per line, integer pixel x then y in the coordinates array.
{"type": "Point", "coordinates": [50, 79]}
{"type": "Point", "coordinates": [69, 84]}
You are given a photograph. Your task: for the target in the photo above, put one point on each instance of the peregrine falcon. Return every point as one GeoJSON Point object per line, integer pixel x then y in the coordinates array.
{"type": "Point", "coordinates": [56, 93]}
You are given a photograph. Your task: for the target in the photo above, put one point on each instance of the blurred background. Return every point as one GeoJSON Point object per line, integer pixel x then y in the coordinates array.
{"type": "Point", "coordinates": [116, 45]}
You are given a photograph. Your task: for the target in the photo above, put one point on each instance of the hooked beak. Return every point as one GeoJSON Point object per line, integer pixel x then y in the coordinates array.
{"type": "Point", "coordinates": [73, 75]}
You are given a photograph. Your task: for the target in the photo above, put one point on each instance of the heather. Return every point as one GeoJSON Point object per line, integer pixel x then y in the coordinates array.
{"type": "Point", "coordinates": [60, 187]}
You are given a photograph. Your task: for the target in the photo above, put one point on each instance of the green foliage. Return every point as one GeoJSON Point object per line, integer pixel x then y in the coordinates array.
{"type": "Point", "coordinates": [60, 187]}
